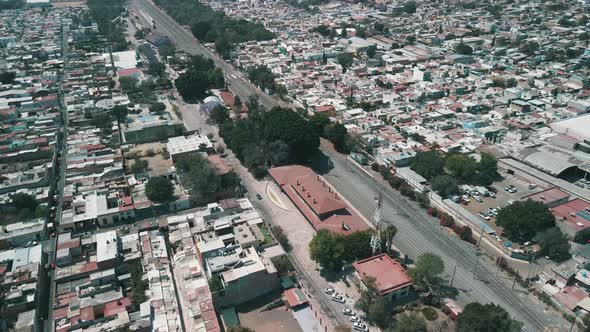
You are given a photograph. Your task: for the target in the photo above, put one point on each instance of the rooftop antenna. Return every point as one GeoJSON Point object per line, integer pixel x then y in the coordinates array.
{"type": "Point", "coordinates": [376, 219]}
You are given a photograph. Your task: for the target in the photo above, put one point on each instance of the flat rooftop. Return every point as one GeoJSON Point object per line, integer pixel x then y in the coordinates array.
{"type": "Point", "coordinates": [389, 275]}
{"type": "Point", "coordinates": [548, 196]}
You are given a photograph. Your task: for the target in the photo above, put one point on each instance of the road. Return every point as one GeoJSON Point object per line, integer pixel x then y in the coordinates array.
{"type": "Point", "coordinates": [418, 233]}
{"type": "Point", "coordinates": [185, 41]}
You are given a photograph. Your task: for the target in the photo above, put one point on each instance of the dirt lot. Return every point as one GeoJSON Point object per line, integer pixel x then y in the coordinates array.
{"type": "Point", "coordinates": [158, 163]}
{"type": "Point", "coordinates": [254, 316]}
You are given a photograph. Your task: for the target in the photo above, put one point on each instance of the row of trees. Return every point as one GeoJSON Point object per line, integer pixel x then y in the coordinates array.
{"type": "Point", "coordinates": [200, 76]}
{"type": "Point", "coordinates": [103, 12]}
{"type": "Point", "coordinates": [263, 77]}
{"type": "Point", "coordinates": [213, 26]}
{"type": "Point", "coordinates": [274, 138]}
{"type": "Point", "coordinates": [335, 132]}
{"type": "Point", "coordinates": [446, 173]}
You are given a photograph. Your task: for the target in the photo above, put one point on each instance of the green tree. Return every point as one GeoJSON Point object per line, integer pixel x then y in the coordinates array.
{"type": "Point", "coordinates": [159, 189]}
{"type": "Point", "coordinates": [23, 201]}
{"type": "Point", "coordinates": [445, 185]}
{"type": "Point", "coordinates": [427, 271]}
{"type": "Point", "coordinates": [487, 170]}
{"type": "Point", "coordinates": [278, 153]}
{"type": "Point", "coordinates": [523, 219]}
{"type": "Point", "coordinates": [428, 164]}
{"type": "Point", "coordinates": [215, 284]}
{"type": "Point", "coordinates": [281, 237]}
{"type": "Point", "coordinates": [200, 29]}
{"type": "Point", "coordinates": [7, 77]}
{"type": "Point", "coordinates": [157, 107]}
{"type": "Point", "coordinates": [345, 60]}
{"type": "Point", "coordinates": [219, 115]}
{"type": "Point", "coordinates": [318, 122]}
{"type": "Point", "coordinates": [409, 7]}
{"type": "Point", "coordinates": [371, 51]}
{"type": "Point", "coordinates": [192, 85]}
{"type": "Point", "coordinates": [461, 167]}
{"type": "Point", "coordinates": [156, 68]}
{"type": "Point", "coordinates": [263, 77]}
{"type": "Point", "coordinates": [327, 249]}
{"type": "Point", "coordinates": [285, 125]}
{"type": "Point", "coordinates": [409, 323]}
{"type": "Point", "coordinates": [477, 317]}
{"type": "Point", "coordinates": [165, 50]}
{"type": "Point", "coordinates": [139, 165]}
{"type": "Point", "coordinates": [128, 84]}
{"type": "Point", "coordinates": [554, 244]}
{"type": "Point", "coordinates": [120, 113]}
{"type": "Point", "coordinates": [462, 48]}
{"type": "Point", "coordinates": [530, 47]}
{"type": "Point", "coordinates": [373, 304]}
{"type": "Point", "coordinates": [337, 134]}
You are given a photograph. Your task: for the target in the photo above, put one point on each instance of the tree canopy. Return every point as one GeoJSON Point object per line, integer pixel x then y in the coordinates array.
{"type": "Point", "coordinates": [159, 189]}
{"type": "Point", "coordinates": [24, 201]}
{"type": "Point", "coordinates": [554, 244]}
{"type": "Point", "coordinates": [345, 60]}
{"type": "Point", "coordinates": [427, 271]}
{"type": "Point", "coordinates": [7, 77]}
{"type": "Point", "coordinates": [477, 317]}
{"type": "Point", "coordinates": [445, 185]}
{"type": "Point", "coordinates": [428, 164]}
{"type": "Point", "coordinates": [202, 179]}
{"type": "Point", "coordinates": [462, 48]}
{"type": "Point", "coordinates": [522, 220]}
{"type": "Point", "coordinates": [263, 77]}
{"type": "Point", "coordinates": [200, 76]}
{"type": "Point", "coordinates": [409, 323]}
{"type": "Point", "coordinates": [373, 304]}
{"type": "Point", "coordinates": [287, 126]}
{"type": "Point", "coordinates": [332, 250]}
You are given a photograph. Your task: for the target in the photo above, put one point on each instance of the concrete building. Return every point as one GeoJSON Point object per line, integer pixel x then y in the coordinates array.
{"type": "Point", "coordinates": [390, 277]}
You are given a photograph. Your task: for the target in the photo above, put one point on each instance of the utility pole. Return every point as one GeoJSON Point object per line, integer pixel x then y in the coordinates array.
{"type": "Point", "coordinates": [453, 277]}
{"type": "Point", "coordinates": [574, 321]}
{"type": "Point", "coordinates": [516, 276]}
{"type": "Point", "coordinates": [480, 236]}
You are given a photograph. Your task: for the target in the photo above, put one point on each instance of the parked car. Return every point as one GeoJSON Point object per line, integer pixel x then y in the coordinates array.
{"type": "Point", "coordinates": [348, 312]}
{"type": "Point", "coordinates": [338, 298]}
{"type": "Point", "coordinates": [491, 194]}
{"type": "Point", "coordinates": [355, 319]}
{"type": "Point", "coordinates": [360, 326]}
{"type": "Point", "coordinates": [492, 211]}
{"type": "Point", "coordinates": [484, 215]}
{"type": "Point", "coordinates": [259, 196]}
{"type": "Point", "coordinates": [329, 290]}
{"type": "Point", "coordinates": [532, 186]}
{"type": "Point", "coordinates": [478, 198]}
{"type": "Point", "coordinates": [465, 198]}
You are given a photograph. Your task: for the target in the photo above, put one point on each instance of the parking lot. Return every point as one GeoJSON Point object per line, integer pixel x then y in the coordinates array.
{"type": "Point", "coordinates": [503, 198]}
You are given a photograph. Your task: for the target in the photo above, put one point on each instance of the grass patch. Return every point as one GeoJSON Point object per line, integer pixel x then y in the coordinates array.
{"type": "Point", "coordinates": [266, 233]}
{"type": "Point", "coordinates": [429, 313]}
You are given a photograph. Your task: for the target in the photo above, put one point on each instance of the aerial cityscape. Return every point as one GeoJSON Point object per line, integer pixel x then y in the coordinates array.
{"type": "Point", "coordinates": [294, 165]}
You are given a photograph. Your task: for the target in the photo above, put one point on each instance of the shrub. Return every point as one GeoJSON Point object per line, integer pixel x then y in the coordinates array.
{"type": "Point", "coordinates": [466, 234]}
{"type": "Point", "coordinates": [375, 167]}
{"type": "Point", "coordinates": [429, 313]}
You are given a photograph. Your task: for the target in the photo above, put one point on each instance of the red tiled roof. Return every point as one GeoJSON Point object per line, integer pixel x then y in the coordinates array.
{"type": "Point", "coordinates": [568, 212]}
{"type": "Point", "coordinates": [295, 297]}
{"type": "Point", "coordinates": [548, 196]}
{"type": "Point", "coordinates": [389, 275]}
{"type": "Point", "coordinates": [323, 207]}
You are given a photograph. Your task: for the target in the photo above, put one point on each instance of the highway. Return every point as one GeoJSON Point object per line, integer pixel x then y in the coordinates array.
{"type": "Point", "coordinates": [184, 40]}
{"type": "Point", "coordinates": [418, 233]}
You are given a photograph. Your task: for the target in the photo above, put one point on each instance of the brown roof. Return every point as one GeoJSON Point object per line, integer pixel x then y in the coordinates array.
{"type": "Point", "coordinates": [323, 207]}
{"type": "Point", "coordinates": [389, 275]}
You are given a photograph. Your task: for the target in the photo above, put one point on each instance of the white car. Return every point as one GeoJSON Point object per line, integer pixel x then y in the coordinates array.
{"type": "Point", "coordinates": [484, 215]}
{"type": "Point", "coordinates": [478, 198]}
{"type": "Point", "coordinates": [532, 186]}
{"type": "Point", "coordinates": [329, 291]}
{"type": "Point", "coordinates": [360, 326]}
{"type": "Point", "coordinates": [338, 298]}
{"type": "Point", "coordinates": [492, 211]}
{"type": "Point", "coordinates": [355, 319]}
{"type": "Point", "coordinates": [465, 198]}
{"type": "Point", "coordinates": [348, 312]}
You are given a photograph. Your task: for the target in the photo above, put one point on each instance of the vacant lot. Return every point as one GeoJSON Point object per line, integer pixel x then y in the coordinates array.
{"type": "Point", "coordinates": [255, 316]}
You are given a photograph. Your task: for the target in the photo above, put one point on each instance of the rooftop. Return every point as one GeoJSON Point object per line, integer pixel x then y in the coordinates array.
{"type": "Point", "coordinates": [389, 275]}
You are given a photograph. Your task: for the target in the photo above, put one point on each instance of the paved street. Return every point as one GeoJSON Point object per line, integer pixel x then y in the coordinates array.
{"type": "Point", "coordinates": [184, 40]}
{"type": "Point", "coordinates": [418, 233]}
